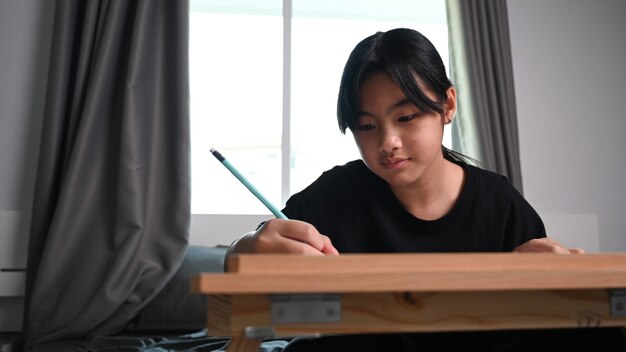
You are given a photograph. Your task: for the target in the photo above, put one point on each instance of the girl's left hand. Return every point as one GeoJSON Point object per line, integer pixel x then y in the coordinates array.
{"type": "Point", "coordinates": [546, 245]}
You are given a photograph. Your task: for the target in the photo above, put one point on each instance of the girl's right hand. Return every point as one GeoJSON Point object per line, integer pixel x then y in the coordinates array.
{"type": "Point", "coordinates": [291, 236]}
{"type": "Point", "coordinates": [286, 236]}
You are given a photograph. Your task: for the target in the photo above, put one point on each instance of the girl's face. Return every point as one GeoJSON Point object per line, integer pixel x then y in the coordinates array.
{"type": "Point", "coordinates": [397, 141]}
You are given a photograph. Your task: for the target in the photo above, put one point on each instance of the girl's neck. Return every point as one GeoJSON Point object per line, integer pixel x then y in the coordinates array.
{"type": "Point", "coordinates": [435, 194]}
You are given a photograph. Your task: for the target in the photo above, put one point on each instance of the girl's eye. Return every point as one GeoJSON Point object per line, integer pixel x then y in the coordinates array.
{"type": "Point", "coordinates": [366, 127]}
{"type": "Point", "coordinates": [407, 118]}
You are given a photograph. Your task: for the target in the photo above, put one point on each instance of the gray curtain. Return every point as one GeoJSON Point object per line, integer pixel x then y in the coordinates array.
{"type": "Point", "coordinates": [111, 209]}
{"type": "Point", "coordinates": [482, 71]}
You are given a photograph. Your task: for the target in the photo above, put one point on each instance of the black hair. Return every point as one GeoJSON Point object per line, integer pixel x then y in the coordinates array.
{"type": "Point", "coordinates": [412, 62]}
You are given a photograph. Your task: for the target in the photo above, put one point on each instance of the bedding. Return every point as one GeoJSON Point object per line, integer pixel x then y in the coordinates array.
{"type": "Point", "coordinates": [194, 342]}
{"type": "Point", "coordinates": [173, 321]}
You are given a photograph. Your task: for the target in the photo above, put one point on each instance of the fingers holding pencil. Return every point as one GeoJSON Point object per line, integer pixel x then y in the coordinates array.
{"type": "Point", "coordinates": [292, 236]}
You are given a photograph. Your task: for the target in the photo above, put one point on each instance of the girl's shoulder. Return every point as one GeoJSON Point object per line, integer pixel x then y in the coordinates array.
{"type": "Point", "coordinates": [488, 184]}
{"type": "Point", "coordinates": [490, 177]}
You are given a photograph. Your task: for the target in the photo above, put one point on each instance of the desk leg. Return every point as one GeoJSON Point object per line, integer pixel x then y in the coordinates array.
{"type": "Point", "coordinates": [243, 344]}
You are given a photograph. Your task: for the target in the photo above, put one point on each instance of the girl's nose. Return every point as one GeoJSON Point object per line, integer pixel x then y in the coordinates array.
{"type": "Point", "coordinates": [389, 140]}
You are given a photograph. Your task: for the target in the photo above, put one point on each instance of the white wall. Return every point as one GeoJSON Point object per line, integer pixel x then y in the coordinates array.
{"type": "Point", "coordinates": [25, 28]}
{"type": "Point", "coordinates": [570, 78]}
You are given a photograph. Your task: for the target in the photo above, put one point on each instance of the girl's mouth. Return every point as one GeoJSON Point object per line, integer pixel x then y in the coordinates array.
{"type": "Point", "coordinates": [394, 163]}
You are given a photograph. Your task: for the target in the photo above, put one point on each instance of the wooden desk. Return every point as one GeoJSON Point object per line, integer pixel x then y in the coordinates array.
{"type": "Point", "coordinates": [289, 295]}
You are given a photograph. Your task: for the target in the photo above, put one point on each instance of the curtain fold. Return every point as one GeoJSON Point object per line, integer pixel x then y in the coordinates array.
{"type": "Point", "coordinates": [482, 71]}
{"type": "Point", "coordinates": [111, 208]}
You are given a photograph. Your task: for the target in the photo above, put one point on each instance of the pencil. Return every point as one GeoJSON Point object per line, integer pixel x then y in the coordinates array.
{"type": "Point", "coordinates": [279, 214]}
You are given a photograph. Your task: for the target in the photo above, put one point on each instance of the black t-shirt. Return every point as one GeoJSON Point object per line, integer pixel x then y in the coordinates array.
{"type": "Point", "coordinates": [360, 214]}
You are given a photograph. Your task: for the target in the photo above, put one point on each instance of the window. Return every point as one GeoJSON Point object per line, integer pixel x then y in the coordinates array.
{"type": "Point", "coordinates": [264, 79]}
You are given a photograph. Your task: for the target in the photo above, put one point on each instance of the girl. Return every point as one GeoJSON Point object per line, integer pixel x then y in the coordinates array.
{"type": "Point", "coordinates": [408, 193]}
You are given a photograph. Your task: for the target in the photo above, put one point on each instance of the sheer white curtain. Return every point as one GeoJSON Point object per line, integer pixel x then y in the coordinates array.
{"type": "Point", "coordinates": [482, 71]}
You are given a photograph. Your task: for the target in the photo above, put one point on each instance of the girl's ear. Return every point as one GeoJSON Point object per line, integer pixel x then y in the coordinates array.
{"type": "Point", "coordinates": [449, 108]}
